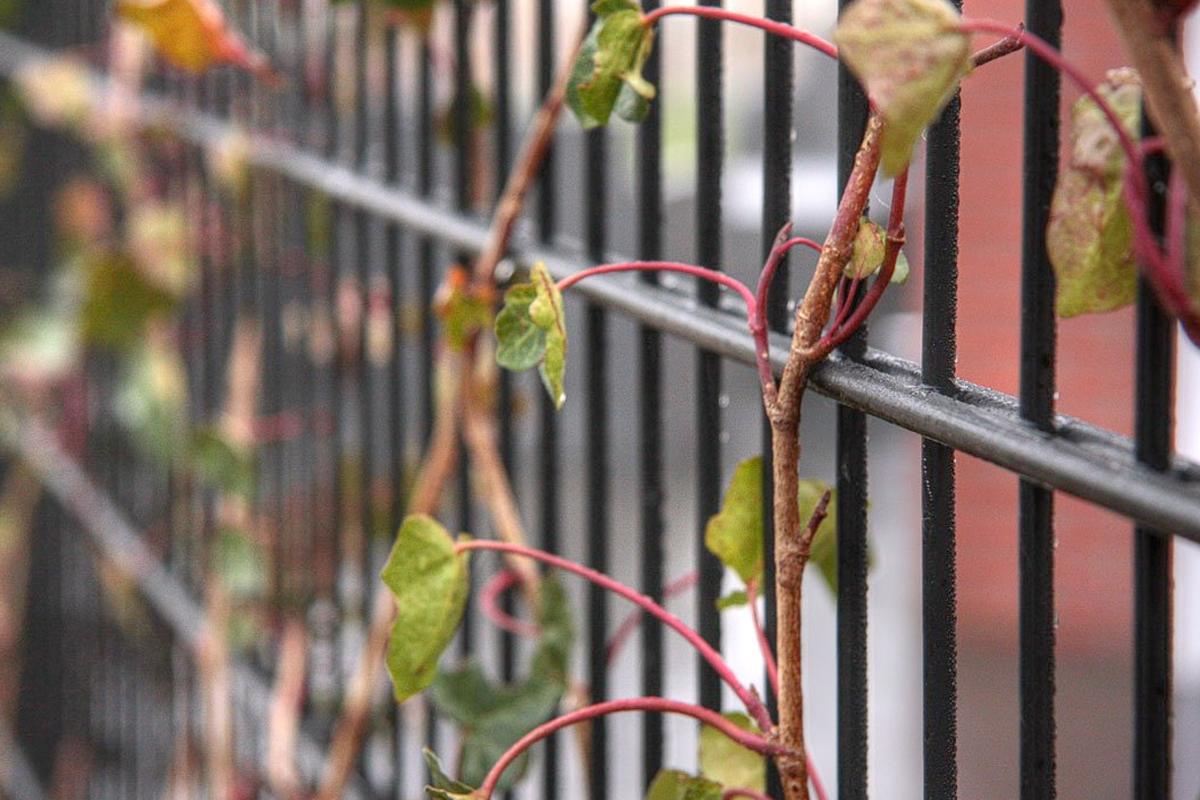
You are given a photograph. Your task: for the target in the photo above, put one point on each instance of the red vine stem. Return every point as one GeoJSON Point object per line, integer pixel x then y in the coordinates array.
{"type": "Point", "coordinates": [747, 739]}
{"type": "Point", "coordinates": [748, 698]}
{"type": "Point", "coordinates": [489, 604]}
{"type": "Point", "coordinates": [761, 634]}
{"type": "Point", "coordinates": [666, 266]}
{"type": "Point", "coordinates": [630, 623]}
{"type": "Point", "coordinates": [758, 320]}
{"type": "Point", "coordinates": [770, 26]}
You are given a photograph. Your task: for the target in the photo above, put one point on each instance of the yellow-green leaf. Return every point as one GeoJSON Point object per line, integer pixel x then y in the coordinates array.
{"type": "Point", "coordinates": [735, 534]}
{"type": "Point", "coordinates": [190, 34]}
{"type": "Point", "coordinates": [119, 301]}
{"type": "Point", "coordinates": [671, 784]}
{"type": "Point", "coordinates": [728, 763]}
{"type": "Point", "coordinates": [441, 786]}
{"type": "Point", "coordinates": [607, 74]}
{"type": "Point", "coordinates": [1089, 238]}
{"type": "Point", "coordinates": [910, 55]}
{"type": "Point", "coordinates": [430, 585]}
{"type": "Point", "coordinates": [520, 344]}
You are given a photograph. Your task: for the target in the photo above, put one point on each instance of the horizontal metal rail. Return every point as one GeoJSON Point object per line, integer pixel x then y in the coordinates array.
{"type": "Point", "coordinates": [1077, 458]}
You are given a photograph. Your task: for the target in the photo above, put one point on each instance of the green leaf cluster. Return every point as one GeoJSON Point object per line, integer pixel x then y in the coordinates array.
{"type": "Point", "coordinates": [1089, 238]}
{"type": "Point", "coordinates": [429, 582]}
{"type": "Point", "coordinates": [724, 764]}
{"type": "Point", "coordinates": [493, 716]}
{"type": "Point", "coordinates": [735, 534]}
{"type": "Point", "coordinates": [910, 55]}
{"type": "Point", "coordinates": [607, 75]}
{"type": "Point", "coordinates": [531, 331]}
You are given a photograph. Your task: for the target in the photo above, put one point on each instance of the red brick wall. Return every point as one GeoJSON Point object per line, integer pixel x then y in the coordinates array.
{"type": "Point", "coordinates": [1093, 557]}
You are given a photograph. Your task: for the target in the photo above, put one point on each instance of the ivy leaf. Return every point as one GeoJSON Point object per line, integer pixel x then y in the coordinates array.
{"type": "Point", "coordinates": [441, 786]}
{"type": "Point", "coordinates": [866, 255]}
{"type": "Point", "coordinates": [190, 34]}
{"type": "Point", "coordinates": [220, 463]}
{"type": "Point", "coordinates": [531, 331]}
{"type": "Point", "coordinates": [494, 716]}
{"type": "Point", "coordinates": [119, 301]}
{"type": "Point", "coordinates": [733, 600]}
{"type": "Point", "coordinates": [607, 74]}
{"type": "Point", "coordinates": [240, 564]}
{"type": "Point", "coordinates": [823, 553]}
{"type": "Point", "coordinates": [910, 55]}
{"type": "Point", "coordinates": [520, 343]}
{"type": "Point", "coordinates": [430, 584]}
{"type": "Point", "coordinates": [728, 763]}
{"type": "Point", "coordinates": [735, 534]}
{"type": "Point", "coordinates": [1090, 235]}
{"type": "Point", "coordinates": [462, 311]}
{"type": "Point", "coordinates": [152, 400]}
{"type": "Point", "coordinates": [671, 784]}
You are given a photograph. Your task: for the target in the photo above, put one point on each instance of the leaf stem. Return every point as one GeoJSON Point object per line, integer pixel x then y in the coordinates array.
{"type": "Point", "coordinates": [758, 321]}
{"type": "Point", "coordinates": [770, 26]}
{"type": "Point", "coordinates": [748, 698]}
{"type": "Point", "coordinates": [666, 266]}
{"type": "Point", "coordinates": [747, 739]}
{"type": "Point", "coordinates": [489, 604]}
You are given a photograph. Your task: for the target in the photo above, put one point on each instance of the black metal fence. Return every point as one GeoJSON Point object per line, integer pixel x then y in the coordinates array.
{"type": "Point", "coordinates": [355, 206]}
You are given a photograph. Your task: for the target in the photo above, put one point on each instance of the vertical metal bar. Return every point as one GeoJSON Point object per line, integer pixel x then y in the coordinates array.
{"type": "Point", "coordinates": [365, 279]}
{"type": "Point", "coordinates": [548, 453]}
{"type": "Point", "coordinates": [1152, 549]}
{"type": "Point", "coordinates": [651, 421]}
{"type": "Point", "coordinates": [852, 511]}
{"type": "Point", "coordinates": [778, 60]}
{"type": "Point", "coordinates": [597, 453]}
{"type": "Point", "coordinates": [939, 349]}
{"type": "Point", "coordinates": [710, 154]}
{"type": "Point", "coordinates": [1038, 352]}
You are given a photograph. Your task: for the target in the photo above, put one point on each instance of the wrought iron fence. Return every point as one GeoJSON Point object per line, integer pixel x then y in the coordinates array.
{"type": "Point", "coordinates": [354, 207]}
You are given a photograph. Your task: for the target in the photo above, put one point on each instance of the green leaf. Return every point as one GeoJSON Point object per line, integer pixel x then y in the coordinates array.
{"type": "Point", "coordinates": [494, 716]}
{"type": "Point", "coordinates": [41, 344]}
{"type": "Point", "coordinates": [671, 784]}
{"type": "Point", "coordinates": [1090, 235]}
{"type": "Point", "coordinates": [430, 584]}
{"type": "Point", "coordinates": [551, 658]}
{"type": "Point", "coordinates": [607, 74]}
{"type": "Point", "coordinates": [222, 464]}
{"type": "Point", "coordinates": [728, 763]}
{"type": "Point", "coordinates": [866, 255]}
{"type": "Point", "coordinates": [152, 400]}
{"type": "Point", "coordinates": [824, 549]}
{"type": "Point", "coordinates": [119, 301]}
{"type": "Point", "coordinates": [520, 343]}
{"type": "Point", "coordinates": [735, 534]}
{"type": "Point", "coordinates": [910, 56]}
{"type": "Point", "coordinates": [462, 311]}
{"type": "Point", "coordinates": [733, 600]}
{"type": "Point", "coordinates": [441, 786]}
{"type": "Point", "coordinates": [240, 564]}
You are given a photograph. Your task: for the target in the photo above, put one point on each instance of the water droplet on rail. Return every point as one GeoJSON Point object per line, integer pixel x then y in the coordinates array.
{"type": "Point", "coordinates": [723, 400]}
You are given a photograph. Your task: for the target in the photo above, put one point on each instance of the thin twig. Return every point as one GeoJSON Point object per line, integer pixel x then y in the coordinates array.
{"type": "Point", "coordinates": [287, 704]}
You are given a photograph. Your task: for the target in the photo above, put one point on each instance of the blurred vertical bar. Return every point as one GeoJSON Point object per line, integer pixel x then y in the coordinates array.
{"type": "Point", "coordinates": [852, 510]}
{"type": "Point", "coordinates": [650, 394]}
{"type": "Point", "coordinates": [597, 452]}
{"type": "Point", "coordinates": [710, 159]}
{"type": "Point", "coordinates": [364, 372]}
{"type": "Point", "coordinates": [1038, 353]}
{"type": "Point", "coordinates": [939, 348]}
{"type": "Point", "coordinates": [778, 102]}
{"type": "Point", "coordinates": [1152, 549]}
{"type": "Point", "coordinates": [547, 218]}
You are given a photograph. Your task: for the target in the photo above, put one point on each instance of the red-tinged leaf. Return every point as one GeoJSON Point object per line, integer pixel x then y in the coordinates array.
{"type": "Point", "coordinates": [1090, 235]}
{"type": "Point", "coordinates": [191, 34]}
